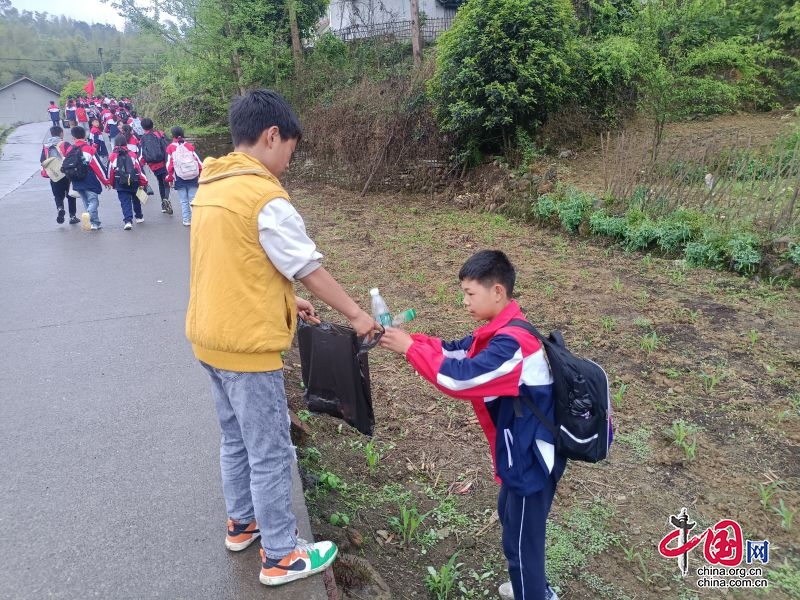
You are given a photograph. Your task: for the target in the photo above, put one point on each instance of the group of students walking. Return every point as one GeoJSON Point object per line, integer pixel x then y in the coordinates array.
{"type": "Point", "coordinates": [85, 166]}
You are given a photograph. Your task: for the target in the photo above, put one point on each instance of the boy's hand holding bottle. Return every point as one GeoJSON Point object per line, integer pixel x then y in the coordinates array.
{"type": "Point", "coordinates": [396, 340]}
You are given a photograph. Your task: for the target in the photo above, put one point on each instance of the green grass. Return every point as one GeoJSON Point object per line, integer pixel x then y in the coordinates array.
{"type": "Point", "coordinates": [583, 532]}
{"type": "Point", "coordinates": [638, 441]}
{"type": "Point", "coordinates": [5, 131]}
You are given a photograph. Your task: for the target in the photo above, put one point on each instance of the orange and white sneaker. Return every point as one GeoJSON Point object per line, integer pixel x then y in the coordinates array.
{"type": "Point", "coordinates": [301, 562]}
{"type": "Point", "coordinates": [241, 535]}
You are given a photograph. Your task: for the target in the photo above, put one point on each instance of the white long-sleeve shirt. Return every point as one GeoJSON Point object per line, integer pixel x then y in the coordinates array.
{"type": "Point", "coordinates": [283, 236]}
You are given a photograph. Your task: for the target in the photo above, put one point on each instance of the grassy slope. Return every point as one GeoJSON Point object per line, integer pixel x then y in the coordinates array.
{"type": "Point", "coordinates": [711, 349]}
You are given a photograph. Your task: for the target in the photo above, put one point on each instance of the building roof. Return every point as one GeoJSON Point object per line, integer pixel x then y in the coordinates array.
{"type": "Point", "coordinates": [32, 81]}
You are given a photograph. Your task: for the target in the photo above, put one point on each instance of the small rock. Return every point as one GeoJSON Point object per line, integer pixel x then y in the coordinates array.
{"type": "Point", "coordinates": [650, 470]}
{"type": "Point", "coordinates": [781, 244]}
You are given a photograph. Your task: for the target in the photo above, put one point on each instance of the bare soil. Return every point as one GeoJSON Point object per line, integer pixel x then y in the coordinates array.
{"type": "Point", "coordinates": [727, 361]}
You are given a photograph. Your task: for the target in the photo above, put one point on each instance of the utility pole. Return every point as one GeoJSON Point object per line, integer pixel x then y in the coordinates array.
{"type": "Point", "coordinates": [102, 72]}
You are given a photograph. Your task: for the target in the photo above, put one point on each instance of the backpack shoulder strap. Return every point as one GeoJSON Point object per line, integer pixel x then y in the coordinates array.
{"type": "Point", "coordinates": [522, 324]}
{"type": "Point", "coordinates": [549, 425]}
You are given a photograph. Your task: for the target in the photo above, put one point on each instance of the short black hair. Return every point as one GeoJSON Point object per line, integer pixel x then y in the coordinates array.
{"type": "Point", "coordinates": [177, 132]}
{"type": "Point", "coordinates": [121, 141]}
{"type": "Point", "coordinates": [147, 123]}
{"type": "Point", "coordinates": [78, 132]}
{"type": "Point", "coordinates": [56, 130]}
{"type": "Point", "coordinates": [258, 110]}
{"type": "Point", "coordinates": [488, 267]}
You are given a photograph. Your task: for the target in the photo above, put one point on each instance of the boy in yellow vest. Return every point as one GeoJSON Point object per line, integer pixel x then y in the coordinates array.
{"type": "Point", "coordinates": [248, 246]}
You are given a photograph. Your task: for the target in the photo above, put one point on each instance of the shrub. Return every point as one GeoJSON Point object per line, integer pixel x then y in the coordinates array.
{"type": "Point", "coordinates": [709, 251]}
{"type": "Point", "coordinates": [744, 254]}
{"type": "Point", "coordinates": [794, 253]}
{"type": "Point", "coordinates": [640, 233]}
{"type": "Point", "coordinates": [573, 209]}
{"type": "Point", "coordinates": [672, 235]}
{"type": "Point", "coordinates": [545, 207]}
{"type": "Point", "coordinates": [601, 223]}
{"type": "Point", "coordinates": [678, 228]}
{"type": "Point", "coordinates": [503, 64]}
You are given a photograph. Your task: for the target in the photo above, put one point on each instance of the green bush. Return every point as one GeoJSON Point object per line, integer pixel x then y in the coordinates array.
{"type": "Point", "coordinates": [573, 209]}
{"type": "Point", "coordinates": [708, 251]}
{"type": "Point", "coordinates": [794, 253]}
{"type": "Point", "coordinates": [640, 234]}
{"type": "Point", "coordinates": [672, 235]}
{"type": "Point", "coordinates": [503, 64]}
{"type": "Point", "coordinates": [678, 228]}
{"type": "Point", "coordinates": [744, 253]}
{"type": "Point", "coordinates": [601, 223]}
{"type": "Point", "coordinates": [545, 207]}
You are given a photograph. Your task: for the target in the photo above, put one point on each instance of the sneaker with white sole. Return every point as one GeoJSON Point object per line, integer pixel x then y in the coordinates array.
{"type": "Point", "coordinates": [139, 219]}
{"type": "Point", "coordinates": [241, 535]}
{"type": "Point", "coordinates": [507, 592]}
{"type": "Point", "coordinates": [187, 223]}
{"type": "Point", "coordinates": [303, 561]}
{"type": "Point", "coordinates": [128, 225]}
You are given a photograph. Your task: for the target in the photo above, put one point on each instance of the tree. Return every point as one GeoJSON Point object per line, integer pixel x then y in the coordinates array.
{"type": "Point", "coordinates": [500, 69]}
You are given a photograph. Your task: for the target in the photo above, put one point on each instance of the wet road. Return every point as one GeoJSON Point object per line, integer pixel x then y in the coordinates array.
{"type": "Point", "coordinates": [109, 473]}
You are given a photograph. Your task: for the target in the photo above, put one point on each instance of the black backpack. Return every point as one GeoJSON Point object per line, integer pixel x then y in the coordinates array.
{"type": "Point", "coordinates": [73, 166]}
{"type": "Point", "coordinates": [124, 172]}
{"type": "Point", "coordinates": [582, 428]}
{"type": "Point", "coordinates": [154, 148]}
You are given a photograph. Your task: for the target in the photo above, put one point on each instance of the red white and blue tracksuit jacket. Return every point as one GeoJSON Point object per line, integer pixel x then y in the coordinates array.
{"type": "Point", "coordinates": [490, 368]}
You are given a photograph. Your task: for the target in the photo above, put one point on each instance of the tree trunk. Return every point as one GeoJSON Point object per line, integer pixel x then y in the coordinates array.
{"type": "Point", "coordinates": [415, 34]}
{"type": "Point", "coordinates": [297, 49]}
{"type": "Point", "coordinates": [236, 60]}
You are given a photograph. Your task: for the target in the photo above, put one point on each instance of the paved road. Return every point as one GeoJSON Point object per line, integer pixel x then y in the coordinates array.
{"type": "Point", "coordinates": [109, 482]}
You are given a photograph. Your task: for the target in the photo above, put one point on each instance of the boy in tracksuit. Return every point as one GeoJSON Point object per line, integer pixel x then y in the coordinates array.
{"type": "Point", "coordinates": [90, 187]}
{"type": "Point", "coordinates": [98, 142]}
{"type": "Point", "coordinates": [158, 162]}
{"type": "Point", "coordinates": [54, 112]}
{"type": "Point", "coordinates": [60, 188]}
{"type": "Point", "coordinates": [126, 190]}
{"type": "Point", "coordinates": [490, 367]}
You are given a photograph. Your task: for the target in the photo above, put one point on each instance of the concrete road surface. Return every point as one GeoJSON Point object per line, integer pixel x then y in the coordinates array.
{"type": "Point", "coordinates": [109, 472]}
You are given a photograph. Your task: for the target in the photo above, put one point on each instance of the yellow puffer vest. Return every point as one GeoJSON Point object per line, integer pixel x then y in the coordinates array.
{"type": "Point", "coordinates": [242, 312]}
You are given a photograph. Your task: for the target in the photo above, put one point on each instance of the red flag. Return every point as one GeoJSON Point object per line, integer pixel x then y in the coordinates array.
{"type": "Point", "coordinates": [89, 87]}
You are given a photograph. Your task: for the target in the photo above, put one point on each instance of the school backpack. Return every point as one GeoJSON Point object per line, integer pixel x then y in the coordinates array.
{"type": "Point", "coordinates": [582, 430]}
{"type": "Point", "coordinates": [52, 163]}
{"type": "Point", "coordinates": [73, 165]}
{"type": "Point", "coordinates": [124, 172]}
{"type": "Point", "coordinates": [154, 147]}
{"type": "Point", "coordinates": [184, 163]}
{"type": "Point", "coordinates": [136, 126]}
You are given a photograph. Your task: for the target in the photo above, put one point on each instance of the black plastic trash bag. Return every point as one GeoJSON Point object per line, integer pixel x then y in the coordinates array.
{"type": "Point", "coordinates": [336, 374]}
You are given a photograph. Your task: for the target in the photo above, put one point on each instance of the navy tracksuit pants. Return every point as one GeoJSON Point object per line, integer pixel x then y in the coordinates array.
{"type": "Point", "coordinates": [524, 520]}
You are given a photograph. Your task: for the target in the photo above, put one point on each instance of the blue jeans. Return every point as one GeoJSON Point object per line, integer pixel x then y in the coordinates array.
{"type": "Point", "coordinates": [128, 199]}
{"type": "Point", "coordinates": [186, 194]}
{"type": "Point", "coordinates": [91, 202]}
{"type": "Point", "coordinates": [256, 453]}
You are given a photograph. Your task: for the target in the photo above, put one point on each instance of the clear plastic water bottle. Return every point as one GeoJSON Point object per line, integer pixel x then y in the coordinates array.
{"type": "Point", "coordinates": [406, 315]}
{"type": "Point", "coordinates": [379, 309]}
{"type": "Point", "coordinates": [86, 221]}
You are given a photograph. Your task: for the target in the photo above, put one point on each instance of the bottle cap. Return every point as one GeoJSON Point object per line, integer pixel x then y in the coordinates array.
{"type": "Point", "coordinates": [374, 292]}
